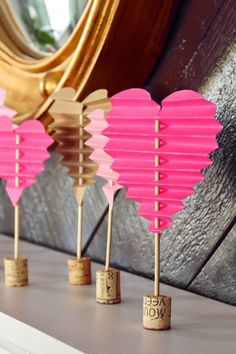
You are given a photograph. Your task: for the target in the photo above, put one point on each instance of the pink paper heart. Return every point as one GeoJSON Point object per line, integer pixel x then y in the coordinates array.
{"type": "Point", "coordinates": [182, 143]}
{"type": "Point", "coordinates": [32, 147]}
{"type": "Point", "coordinates": [104, 161]}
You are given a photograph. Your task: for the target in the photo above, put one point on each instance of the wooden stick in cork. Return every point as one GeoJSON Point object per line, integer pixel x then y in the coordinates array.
{"type": "Point", "coordinates": [16, 211]}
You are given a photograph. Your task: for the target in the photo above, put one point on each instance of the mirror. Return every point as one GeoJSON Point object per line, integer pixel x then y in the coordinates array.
{"type": "Point", "coordinates": [47, 26]}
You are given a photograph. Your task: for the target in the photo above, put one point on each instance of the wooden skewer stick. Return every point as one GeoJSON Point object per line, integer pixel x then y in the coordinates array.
{"type": "Point", "coordinates": [79, 230]}
{"type": "Point", "coordinates": [157, 222]}
{"type": "Point", "coordinates": [16, 232]}
{"type": "Point", "coordinates": [80, 268]}
{"type": "Point", "coordinates": [157, 265]}
{"type": "Point", "coordinates": [16, 211]}
{"type": "Point", "coordinates": [16, 268]}
{"type": "Point", "coordinates": [80, 205]}
{"type": "Point", "coordinates": [109, 237]}
{"type": "Point", "coordinates": [158, 304]}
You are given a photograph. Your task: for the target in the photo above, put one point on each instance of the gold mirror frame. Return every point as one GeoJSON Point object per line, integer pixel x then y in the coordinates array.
{"type": "Point", "coordinates": [85, 61]}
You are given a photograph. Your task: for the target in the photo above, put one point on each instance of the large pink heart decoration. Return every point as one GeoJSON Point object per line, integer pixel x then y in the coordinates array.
{"type": "Point", "coordinates": [23, 149]}
{"type": "Point", "coordinates": [104, 161]}
{"type": "Point", "coordinates": [159, 151]}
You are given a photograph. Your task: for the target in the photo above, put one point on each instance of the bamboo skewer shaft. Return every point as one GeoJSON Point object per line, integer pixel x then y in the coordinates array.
{"type": "Point", "coordinates": [16, 232]}
{"type": "Point", "coordinates": [79, 231]}
{"type": "Point", "coordinates": [79, 268]}
{"type": "Point", "coordinates": [156, 307]}
{"type": "Point", "coordinates": [16, 269]}
{"type": "Point", "coordinates": [157, 265]}
{"type": "Point", "coordinates": [109, 237]}
{"type": "Point", "coordinates": [16, 211]}
{"type": "Point", "coordinates": [157, 235]}
{"type": "Point", "coordinates": [80, 205]}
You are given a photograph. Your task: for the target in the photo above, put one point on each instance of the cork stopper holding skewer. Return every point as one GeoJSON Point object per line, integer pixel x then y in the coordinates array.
{"type": "Point", "coordinates": [79, 271]}
{"type": "Point", "coordinates": [156, 312]}
{"type": "Point", "coordinates": [16, 271]}
{"type": "Point", "coordinates": [108, 286]}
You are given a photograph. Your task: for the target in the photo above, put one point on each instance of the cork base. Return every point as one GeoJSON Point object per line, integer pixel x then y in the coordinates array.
{"type": "Point", "coordinates": [156, 312]}
{"type": "Point", "coordinates": [108, 286]}
{"type": "Point", "coordinates": [79, 271]}
{"type": "Point", "coordinates": [16, 271]}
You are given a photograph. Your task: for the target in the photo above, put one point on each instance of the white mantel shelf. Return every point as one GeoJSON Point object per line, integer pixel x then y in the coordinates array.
{"type": "Point", "coordinates": [71, 315]}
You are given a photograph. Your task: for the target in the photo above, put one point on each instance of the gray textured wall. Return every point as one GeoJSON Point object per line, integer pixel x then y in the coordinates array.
{"type": "Point", "coordinates": [197, 253]}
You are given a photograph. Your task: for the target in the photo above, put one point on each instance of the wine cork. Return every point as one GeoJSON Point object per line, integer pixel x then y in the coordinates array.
{"type": "Point", "coordinates": [156, 312]}
{"type": "Point", "coordinates": [108, 286]}
{"type": "Point", "coordinates": [16, 271]}
{"type": "Point", "coordinates": [79, 271]}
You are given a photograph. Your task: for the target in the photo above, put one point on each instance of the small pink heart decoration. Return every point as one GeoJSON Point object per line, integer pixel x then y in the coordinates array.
{"type": "Point", "coordinates": [23, 149]}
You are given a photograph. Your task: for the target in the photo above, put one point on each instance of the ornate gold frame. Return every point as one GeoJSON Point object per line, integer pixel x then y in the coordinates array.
{"type": "Point", "coordinates": [31, 77]}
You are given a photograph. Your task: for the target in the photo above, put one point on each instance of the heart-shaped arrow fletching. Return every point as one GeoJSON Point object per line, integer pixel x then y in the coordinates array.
{"type": "Point", "coordinates": [23, 149]}
{"type": "Point", "coordinates": [104, 161]}
{"type": "Point", "coordinates": [70, 118]}
{"type": "Point", "coordinates": [160, 152]}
